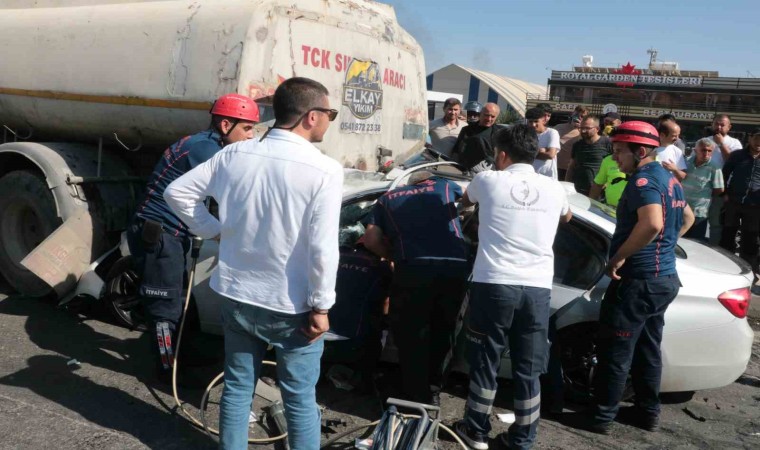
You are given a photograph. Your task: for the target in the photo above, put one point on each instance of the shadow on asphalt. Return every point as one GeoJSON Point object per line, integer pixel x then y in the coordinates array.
{"type": "Point", "coordinates": [70, 334]}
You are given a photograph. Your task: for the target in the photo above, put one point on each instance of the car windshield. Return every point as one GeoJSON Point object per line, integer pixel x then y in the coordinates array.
{"type": "Point", "coordinates": [603, 210]}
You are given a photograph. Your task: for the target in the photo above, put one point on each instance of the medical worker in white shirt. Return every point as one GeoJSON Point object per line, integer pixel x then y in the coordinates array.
{"type": "Point", "coordinates": [512, 281]}
{"type": "Point", "coordinates": [279, 206]}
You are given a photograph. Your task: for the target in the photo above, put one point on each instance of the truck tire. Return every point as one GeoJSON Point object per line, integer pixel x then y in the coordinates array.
{"type": "Point", "coordinates": [27, 216]}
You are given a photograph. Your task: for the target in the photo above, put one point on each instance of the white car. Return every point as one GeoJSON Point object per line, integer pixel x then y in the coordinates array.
{"type": "Point", "coordinates": [707, 341]}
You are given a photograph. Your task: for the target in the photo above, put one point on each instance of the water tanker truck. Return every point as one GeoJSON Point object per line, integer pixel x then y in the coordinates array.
{"type": "Point", "coordinates": [93, 91]}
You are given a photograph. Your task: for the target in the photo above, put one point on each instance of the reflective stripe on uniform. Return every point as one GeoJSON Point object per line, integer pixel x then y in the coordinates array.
{"type": "Point", "coordinates": [488, 394]}
{"type": "Point", "coordinates": [527, 420]}
{"type": "Point", "coordinates": [525, 404]}
{"type": "Point", "coordinates": [478, 407]}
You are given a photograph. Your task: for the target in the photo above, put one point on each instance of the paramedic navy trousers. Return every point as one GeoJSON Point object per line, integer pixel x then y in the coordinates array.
{"type": "Point", "coordinates": [517, 316]}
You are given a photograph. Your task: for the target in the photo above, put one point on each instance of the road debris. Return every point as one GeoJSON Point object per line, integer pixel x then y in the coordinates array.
{"type": "Point", "coordinates": [341, 377]}
{"type": "Point", "coordinates": [506, 417]}
{"type": "Point", "coordinates": [693, 416]}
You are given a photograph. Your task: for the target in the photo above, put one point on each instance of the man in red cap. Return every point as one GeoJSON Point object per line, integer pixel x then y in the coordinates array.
{"type": "Point", "coordinates": [159, 240]}
{"type": "Point", "coordinates": [651, 215]}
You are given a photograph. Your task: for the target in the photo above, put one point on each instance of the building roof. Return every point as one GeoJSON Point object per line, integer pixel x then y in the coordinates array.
{"type": "Point", "coordinates": [514, 91]}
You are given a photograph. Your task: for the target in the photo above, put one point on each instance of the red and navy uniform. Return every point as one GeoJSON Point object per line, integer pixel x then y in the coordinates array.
{"type": "Point", "coordinates": [421, 221]}
{"type": "Point", "coordinates": [362, 286]}
{"type": "Point", "coordinates": [631, 317]}
{"type": "Point", "coordinates": [178, 159]}
{"type": "Point", "coordinates": [160, 247]}
{"type": "Point", "coordinates": [429, 279]}
{"type": "Point", "coordinates": [650, 184]}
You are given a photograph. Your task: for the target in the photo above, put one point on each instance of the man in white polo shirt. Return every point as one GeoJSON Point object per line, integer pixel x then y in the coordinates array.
{"type": "Point", "coordinates": [445, 131]}
{"type": "Point", "coordinates": [512, 281]}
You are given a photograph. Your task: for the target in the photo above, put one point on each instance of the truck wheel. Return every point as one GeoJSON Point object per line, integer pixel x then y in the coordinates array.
{"type": "Point", "coordinates": [27, 216]}
{"type": "Point", "coordinates": [121, 295]}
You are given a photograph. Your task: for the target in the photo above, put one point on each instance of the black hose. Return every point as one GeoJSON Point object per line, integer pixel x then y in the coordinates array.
{"type": "Point", "coordinates": [338, 436]}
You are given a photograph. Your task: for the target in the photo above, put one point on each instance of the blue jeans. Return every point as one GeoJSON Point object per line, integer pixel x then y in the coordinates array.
{"type": "Point", "coordinates": [504, 316]}
{"type": "Point", "coordinates": [248, 330]}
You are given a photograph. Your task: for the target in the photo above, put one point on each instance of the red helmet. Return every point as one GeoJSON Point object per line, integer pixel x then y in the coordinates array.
{"type": "Point", "coordinates": [636, 132]}
{"type": "Point", "coordinates": [236, 106]}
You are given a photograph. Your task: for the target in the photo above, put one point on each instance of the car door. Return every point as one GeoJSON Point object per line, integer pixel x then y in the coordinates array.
{"type": "Point", "coordinates": [580, 256]}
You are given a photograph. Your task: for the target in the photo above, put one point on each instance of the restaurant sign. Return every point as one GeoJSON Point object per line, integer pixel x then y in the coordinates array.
{"type": "Point", "coordinates": [629, 79]}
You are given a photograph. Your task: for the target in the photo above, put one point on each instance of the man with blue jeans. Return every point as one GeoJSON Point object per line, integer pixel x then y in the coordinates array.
{"type": "Point", "coordinates": [512, 280]}
{"type": "Point", "coordinates": [279, 208]}
{"type": "Point", "coordinates": [651, 215]}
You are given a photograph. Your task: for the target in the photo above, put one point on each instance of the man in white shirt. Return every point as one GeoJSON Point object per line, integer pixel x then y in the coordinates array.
{"type": "Point", "coordinates": [445, 131]}
{"type": "Point", "coordinates": [668, 154]}
{"type": "Point", "coordinates": [279, 207]}
{"type": "Point", "coordinates": [724, 146]}
{"type": "Point", "coordinates": [548, 143]}
{"type": "Point", "coordinates": [512, 281]}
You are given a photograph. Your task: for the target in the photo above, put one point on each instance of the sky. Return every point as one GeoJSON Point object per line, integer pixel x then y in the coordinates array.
{"type": "Point", "coordinates": [527, 39]}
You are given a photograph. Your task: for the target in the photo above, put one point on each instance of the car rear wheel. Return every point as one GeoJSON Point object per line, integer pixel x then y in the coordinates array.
{"type": "Point", "coordinates": [579, 359]}
{"type": "Point", "coordinates": [122, 294]}
{"type": "Point", "coordinates": [123, 300]}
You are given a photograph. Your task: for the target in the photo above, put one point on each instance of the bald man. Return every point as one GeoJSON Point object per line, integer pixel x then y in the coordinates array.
{"type": "Point", "coordinates": [474, 149]}
{"type": "Point", "coordinates": [668, 154]}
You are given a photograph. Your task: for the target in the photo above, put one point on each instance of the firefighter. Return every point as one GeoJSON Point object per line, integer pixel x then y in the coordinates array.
{"type": "Point", "coordinates": [417, 227]}
{"type": "Point", "coordinates": [651, 215]}
{"type": "Point", "coordinates": [159, 241]}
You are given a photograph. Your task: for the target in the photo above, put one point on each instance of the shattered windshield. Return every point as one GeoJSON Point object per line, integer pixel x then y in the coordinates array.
{"type": "Point", "coordinates": [603, 210]}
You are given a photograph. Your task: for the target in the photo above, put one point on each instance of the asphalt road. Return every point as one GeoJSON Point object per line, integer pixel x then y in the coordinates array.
{"type": "Point", "coordinates": [108, 400]}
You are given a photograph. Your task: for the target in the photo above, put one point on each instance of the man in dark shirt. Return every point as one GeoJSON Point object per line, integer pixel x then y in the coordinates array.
{"type": "Point", "coordinates": [421, 223]}
{"type": "Point", "coordinates": [474, 149]}
{"type": "Point", "coordinates": [651, 215]}
{"type": "Point", "coordinates": [159, 240]}
{"type": "Point", "coordinates": [587, 155]}
{"type": "Point", "coordinates": [742, 175]}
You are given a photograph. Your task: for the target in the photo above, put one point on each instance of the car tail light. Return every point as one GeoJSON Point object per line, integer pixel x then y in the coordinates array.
{"type": "Point", "coordinates": [736, 301]}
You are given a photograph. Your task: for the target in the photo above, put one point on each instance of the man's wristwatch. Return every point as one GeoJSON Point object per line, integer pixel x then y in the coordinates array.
{"type": "Point", "coordinates": [320, 311]}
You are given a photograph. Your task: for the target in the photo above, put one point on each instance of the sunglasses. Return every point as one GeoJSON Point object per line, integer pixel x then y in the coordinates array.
{"type": "Point", "coordinates": [331, 113]}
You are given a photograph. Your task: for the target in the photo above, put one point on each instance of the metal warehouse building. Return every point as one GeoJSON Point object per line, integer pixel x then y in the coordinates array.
{"type": "Point", "coordinates": [509, 93]}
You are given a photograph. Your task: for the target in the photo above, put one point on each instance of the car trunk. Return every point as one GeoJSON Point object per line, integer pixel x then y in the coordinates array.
{"type": "Point", "coordinates": [712, 259]}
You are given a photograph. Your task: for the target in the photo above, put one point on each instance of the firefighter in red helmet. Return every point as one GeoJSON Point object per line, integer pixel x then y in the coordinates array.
{"type": "Point", "coordinates": [651, 215]}
{"type": "Point", "coordinates": [159, 241]}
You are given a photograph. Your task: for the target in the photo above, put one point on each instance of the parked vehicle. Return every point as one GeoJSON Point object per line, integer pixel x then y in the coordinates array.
{"type": "Point", "coordinates": [93, 91]}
